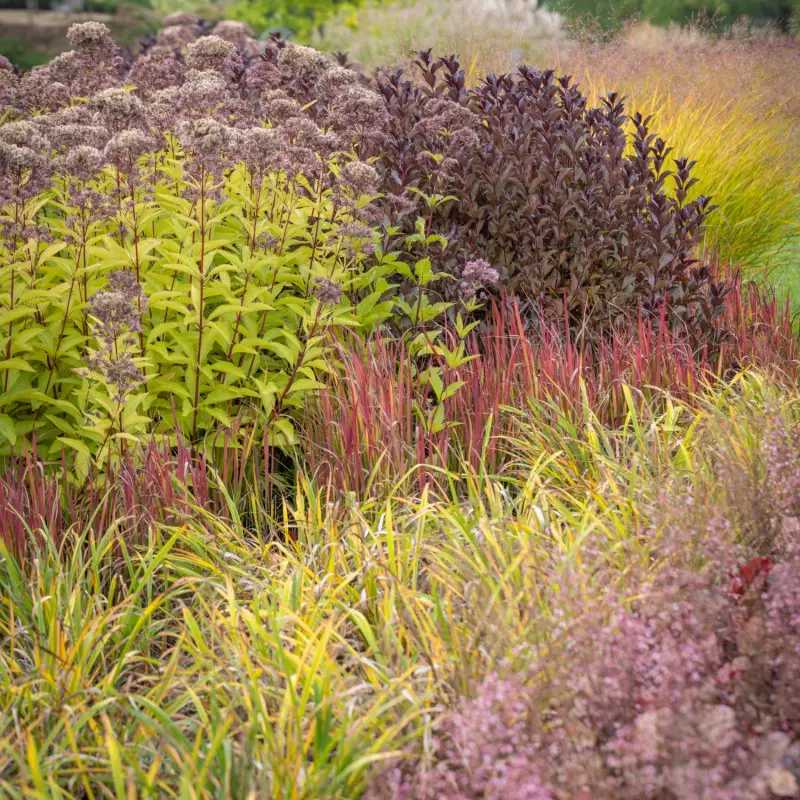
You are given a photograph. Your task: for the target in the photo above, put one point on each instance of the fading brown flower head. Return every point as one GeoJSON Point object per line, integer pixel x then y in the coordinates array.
{"type": "Point", "coordinates": [82, 162]}
{"type": "Point", "coordinates": [360, 177]}
{"type": "Point", "coordinates": [118, 108]}
{"type": "Point", "coordinates": [92, 39]}
{"type": "Point", "coordinates": [304, 64]}
{"type": "Point", "coordinates": [155, 71]}
{"type": "Point", "coordinates": [214, 53]}
{"type": "Point", "coordinates": [127, 147]}
{"type": "Point", "coordinates": [277, 106]}
{"type": "Point", "coordinates": [24, 134]}
{"type": "Point", "coordinates": [333, 80]}
{"type": "Point", "coordinates": [328, 292]}
{"type": "Point", "coordinates": [180, 18]}
{"type": "Point", "coordinates": [175, 37]}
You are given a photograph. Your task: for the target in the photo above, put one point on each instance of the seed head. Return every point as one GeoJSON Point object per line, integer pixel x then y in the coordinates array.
{"type": "Point", "coordinates": [360, 177]}
{"type": "Point", "coordinates": [24, 134]}
{"type": "Point", "coordinates": [128, 146]}
{"type": "Point", "coordinates": [118, 108]}
{"type": "Point", "coordinates": [93, 39]}
{"type": "Point", "coordinates": [277, 106]}
{"type": "Point", "coordinates": [233, 31]}
{"type": "Point", "coordinates": [301, 63]}
{"type": "Point", "coordinates": [82, 162]}
{"type": "Point", "coordinates": [175, 37]}
{"type": "Point", "coordinates": [214, 53]}
{"type": "Point", "coordinates": [328, 292]}
{"type": "Point", "coordinates": [155, 71]}
{"type": "Point", "coordinates": [180, 18]}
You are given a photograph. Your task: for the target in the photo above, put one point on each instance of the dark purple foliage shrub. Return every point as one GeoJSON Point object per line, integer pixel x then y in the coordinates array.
{"type": "Point", "coordinates": [682, 685]}
{"type": "Point", "coordinates": [550, 191]}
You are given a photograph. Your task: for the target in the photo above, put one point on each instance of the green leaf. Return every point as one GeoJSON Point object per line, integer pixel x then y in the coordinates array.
{"type": "Point", "coordinates": [7, 428]}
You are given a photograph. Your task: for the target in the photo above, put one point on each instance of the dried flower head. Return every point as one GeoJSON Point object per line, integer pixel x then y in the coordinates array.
{"type": "Point", "coordinates": [180, 18]}
{"type": "Point", "coordinates": [155, 71]}
{"type": "Point", "coordinates": [360, 177]}
{"type": "Point", "coordinates": [118, 108]}
{"type": "Point", "coordinates": [214, 53]}
{"type": "Point", "coordinates": [81, 162]}
{"type": "Point", "coordinates": [233, 31]}
{"type": "Point", "coordinates": [277, 106]}
{"type": "Point", "coordinates": [126, 147]}
{"type": "Point", "coordinates": [118, 309]}
{"type": "Point", "coordinates": [303, 64]}
{"type": "Point", "coordinates": [93, 39]}
{"type": "Point", "coordinates": [328, 292]}
{"type": "Point", "coordinates": [24, 134]}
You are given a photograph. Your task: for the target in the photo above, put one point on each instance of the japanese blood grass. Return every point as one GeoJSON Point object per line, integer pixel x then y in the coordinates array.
{"type": "Point", "coordinates": [204, 662]}
{"type": "Point", "coordinates": [372, 421]}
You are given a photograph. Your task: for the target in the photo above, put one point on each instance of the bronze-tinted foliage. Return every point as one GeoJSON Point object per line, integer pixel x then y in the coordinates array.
{"type": "Point", "coordinates": [554, 193]}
